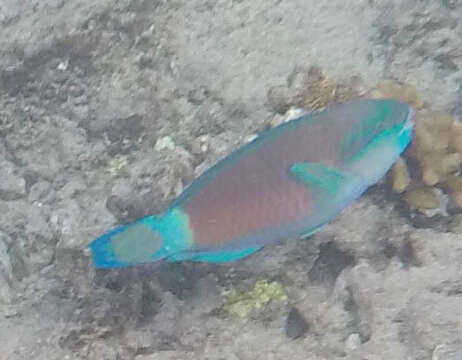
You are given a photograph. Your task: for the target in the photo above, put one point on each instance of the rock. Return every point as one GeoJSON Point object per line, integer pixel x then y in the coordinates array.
{"type": "Point", "coordinates": [40, 239]}
{"type": "Point", "coordinates": [198, 95]}
{"type": "Point", "coordinates": [435, 320]}
{"type": "Point", "coordinates": [169, 314]}
{"type": "Point", "coordinates": [456, 224]}
{"type": "Point", "coordinates": [358, 298]}
{"type": "Point", "coordinates": [100, 350]}
{"type": "Point", "coordinates": [144, 60]}
{"type": "Point", "coordinates": [352, 343]}
{"type": "Point", "coordinates": [296, 79]}
{"type": "Point", "coordinates": [296, 326]}
{"type": "Point", "coordinates": [329, 264]}
{"type": "Point", "coordinates": [12, 185]}
{"type": "Point", "coordinates": [79, 112]}
{"type": "Point", "coordinates": [66, 221]}
{"type": "Point", "coordinates": [165, 142]}
{"type": "Point", "coordinates": [200, 145]}
{"type": "Point", "coordinates": [166, 355]}
{"type": "Point", "coordinates": [17, 258]}
{"type": "Point", "coordinates": [279, 99]}
{"type": "Point", "coordinates": [41, 192]}
{"type": "Point", "coordinates": [447, 352]}
{"type": "Point", "coordinates": [124, 133]}
{"type": "Point", "coordinates": [6, 272]}
{"type": "Point", "coordinates": [4, 257]}
{"type": "Point", "coordinates": [139, 341]}
{"type": "Point", "coordinates": [126, 207]}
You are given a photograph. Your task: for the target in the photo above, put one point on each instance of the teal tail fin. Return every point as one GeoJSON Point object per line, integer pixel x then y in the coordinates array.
{"type": "Point", "coordinates": [103, 254]}
{"type": "Point", "coordinates": [216, 257]}
{"type": "Point", "coordinates": [131, 244]}
{"type": "Point", "coordinates": [149, 239]}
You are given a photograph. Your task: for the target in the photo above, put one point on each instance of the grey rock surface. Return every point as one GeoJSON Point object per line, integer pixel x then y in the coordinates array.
{"type": "Point", "coordinates": [12, 185]}
{"type": "Point", "coordinates": [6, 272]}
{"type": "Point", "coordinates": [108, 109]}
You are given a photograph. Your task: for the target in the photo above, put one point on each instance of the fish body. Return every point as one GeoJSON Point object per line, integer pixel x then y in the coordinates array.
{"type": "Point", "coordinates": [289, 181]}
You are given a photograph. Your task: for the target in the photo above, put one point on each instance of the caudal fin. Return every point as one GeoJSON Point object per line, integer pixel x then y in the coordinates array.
{"type": "Point", "coordinates": [131, 244]}
{"type": "Point", "coordinates": [103, 253]}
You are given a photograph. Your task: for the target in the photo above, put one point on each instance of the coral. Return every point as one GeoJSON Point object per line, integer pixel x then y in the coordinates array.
{"type": "Point", "coordinates": [392, 90]}
{"type": "Point", "coordinates": [310, 89]}
{"type": "Point", "coordinates": [435, 152]}
{"type": "Point", "coordinates": [318, 91]}
{"type": "Point", "coordinates": [400, 176]}
{"type": "Point", "coordinates": [434, 132]}
{"type": "Point", "coordinates": [453, 186]}
{"type": "Point", "coordinates": [455, 140]}
{"type": "Point", "coordinates": [263, 292]}
{"type": "Point", "coordinates": [422, 198]}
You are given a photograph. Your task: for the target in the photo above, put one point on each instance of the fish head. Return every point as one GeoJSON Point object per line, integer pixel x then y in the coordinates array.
{"type": "Point", "coordinates": [399, 123]}
{"type": "Point", "coordinates": [374, 119]}
{"type": "Point", "coordinates": [378, 138]}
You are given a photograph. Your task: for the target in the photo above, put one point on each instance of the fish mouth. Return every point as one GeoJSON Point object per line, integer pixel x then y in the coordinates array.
{"type": "Point", "coordinates": [409, 122]}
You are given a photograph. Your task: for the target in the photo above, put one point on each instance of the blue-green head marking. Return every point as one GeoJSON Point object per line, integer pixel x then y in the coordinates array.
{"type": "Point", "coordinates": [378, 138]}
{"type": "Point", "coordinates": [148, 239]}
{"type": "Point", "coordinates": [379, 119]}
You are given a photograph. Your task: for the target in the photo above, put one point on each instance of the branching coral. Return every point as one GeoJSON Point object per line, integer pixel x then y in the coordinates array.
{"type": "Point", "coordinates": [401, 177]}
{"type": "Point", "coordinates": [453, 186]}
{"type": "Point", "coordinates": [392, 90]}
{"type": "Point", "coordinates": [310, 89]}
{"type": "Point", "coordinates": [436, 151]}
{"type": "Point", "coordinates": [318, 91]}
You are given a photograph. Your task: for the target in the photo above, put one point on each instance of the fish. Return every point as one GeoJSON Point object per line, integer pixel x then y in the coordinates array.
{"type": "Point", "coordinates": [288, 182]}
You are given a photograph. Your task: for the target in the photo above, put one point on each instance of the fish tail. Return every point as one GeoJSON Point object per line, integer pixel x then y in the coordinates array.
{"type": "Point", "coordinates": [152, 238]}
{"type": "Point", "coordinates": [103, 252]}
{"type": "Point", "coordinates": [130, 244]}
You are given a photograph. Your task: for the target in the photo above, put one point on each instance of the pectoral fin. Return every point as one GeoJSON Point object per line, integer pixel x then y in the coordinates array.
{"type": "Point", "coordinates": [322, 177]}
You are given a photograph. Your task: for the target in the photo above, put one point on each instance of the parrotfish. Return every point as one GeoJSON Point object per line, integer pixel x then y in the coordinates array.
{"type": "Point", "coordinates": [288, 182]}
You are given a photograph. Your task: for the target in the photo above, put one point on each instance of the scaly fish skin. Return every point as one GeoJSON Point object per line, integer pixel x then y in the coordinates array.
{"type": "Point", "coordinates": [289, 181]}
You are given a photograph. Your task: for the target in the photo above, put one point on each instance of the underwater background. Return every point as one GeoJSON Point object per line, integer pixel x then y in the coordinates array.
{"type": "Point", "coordinates": [109, 109]}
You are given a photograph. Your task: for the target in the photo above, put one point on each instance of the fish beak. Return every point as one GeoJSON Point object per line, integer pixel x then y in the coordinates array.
{"type": "Point", "coordinates": [409, 122]}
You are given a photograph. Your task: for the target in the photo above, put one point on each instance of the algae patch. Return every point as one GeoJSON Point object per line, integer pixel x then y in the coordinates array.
{"type": "Point", "coordinates": [264, 292]}
{"type": "Point", "coordinates": [116, 165]}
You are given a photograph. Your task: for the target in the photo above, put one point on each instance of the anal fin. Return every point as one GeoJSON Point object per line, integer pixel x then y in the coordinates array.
{"type": "Point", "coordinates": [310, 232]}
{"type": "Point", "coordinates": [213, 257]}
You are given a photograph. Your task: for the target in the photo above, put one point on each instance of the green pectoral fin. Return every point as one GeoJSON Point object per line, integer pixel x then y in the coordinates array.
{"type": "Point", "coordinates": [320, 176]}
